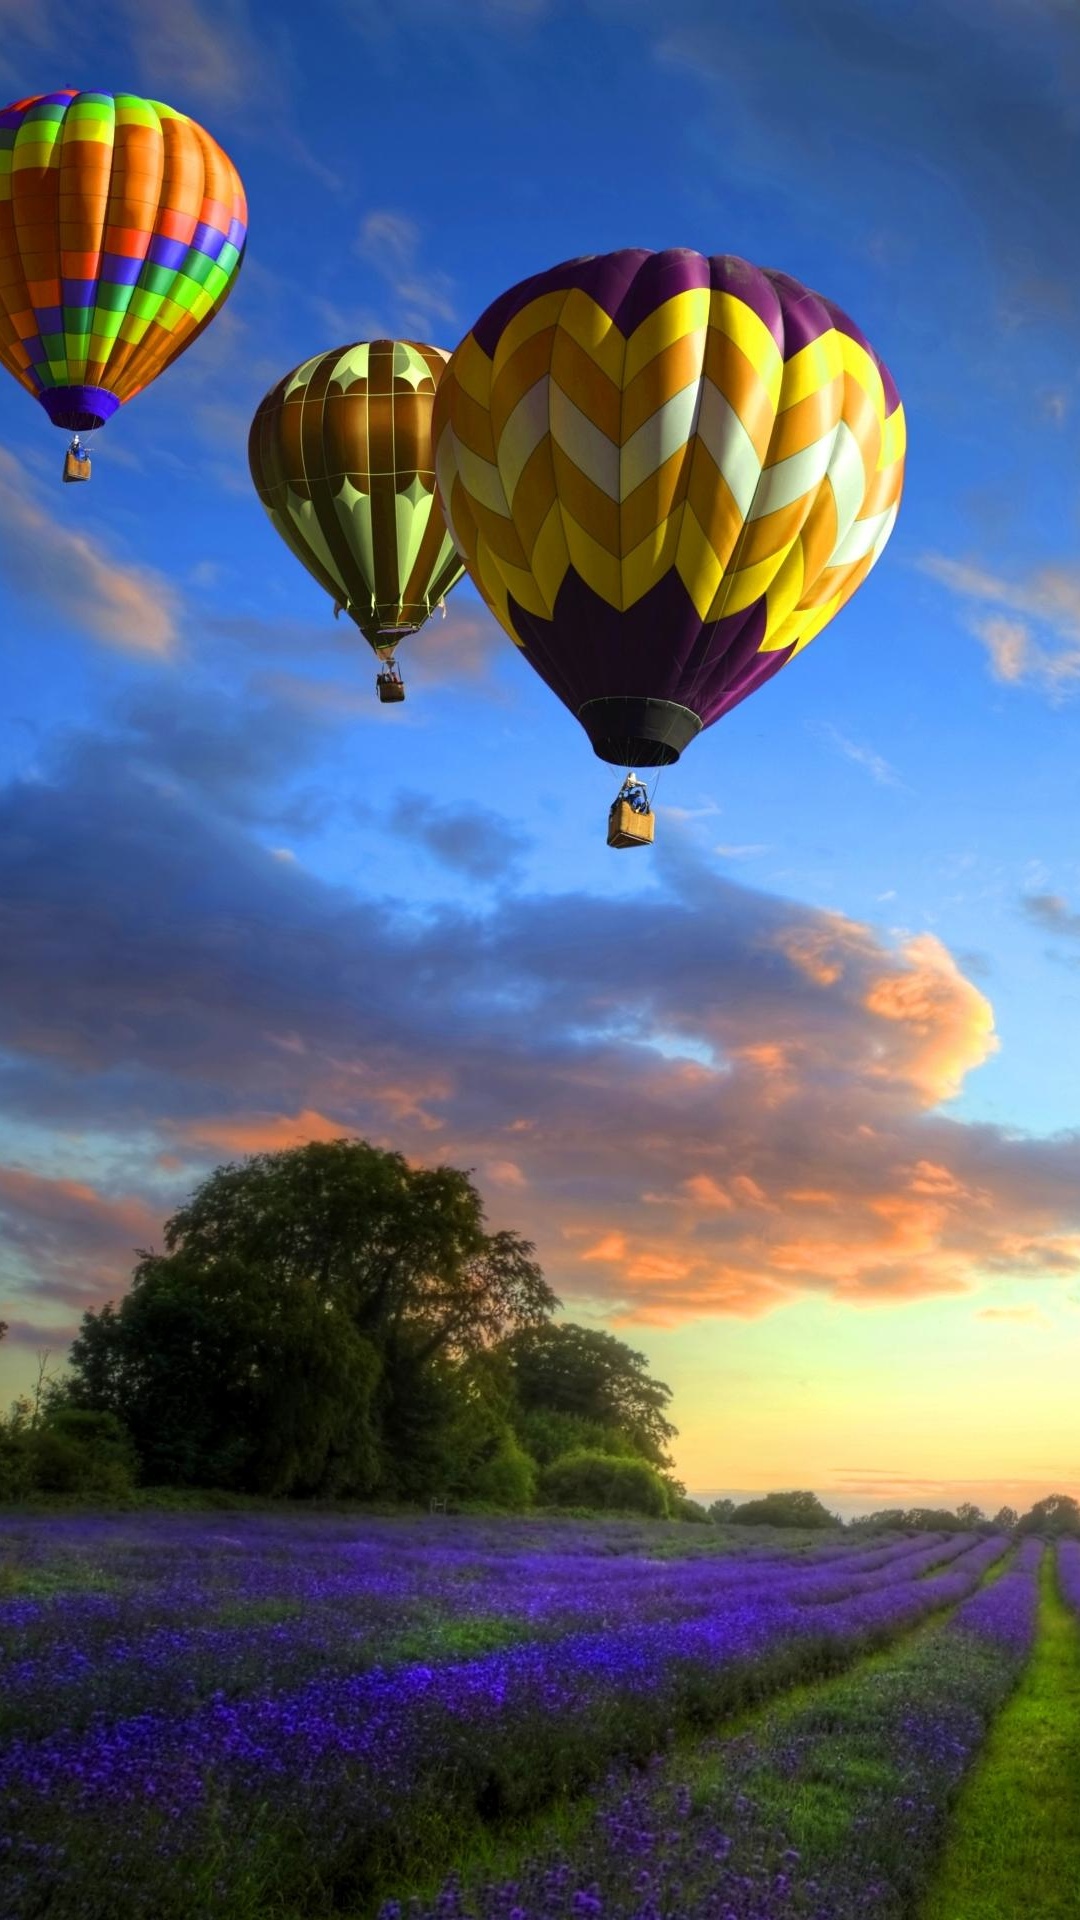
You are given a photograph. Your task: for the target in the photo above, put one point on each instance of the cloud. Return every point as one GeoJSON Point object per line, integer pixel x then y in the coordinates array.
{"type": "Point", "coordinates": [72, 1244]}
{"type": "Point", "coordinates": [222, 55]}
{"type": "Point", "coordinates": [740, 1104]}
{"type": "Point", "coordinates": [391, 242]}
{"type": "Point", "coordinates": [965, 104]}
{"type": "Point", "coordinates": [469, 840]}
{"type": "Point", "coordinates": [1032, 631]}
{"type": "Point", "coordinates": [1052, 913]}
{"type": "Point", "coordinates": [1028, 1315]}
{"type": "Point", "coordinates": [865, 757]}
{"type": "Point", "coordinates": [78, 577]}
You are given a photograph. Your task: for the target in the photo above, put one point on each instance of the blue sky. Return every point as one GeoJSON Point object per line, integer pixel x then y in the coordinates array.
{"type": "Point", "coordinates": [244, 904]}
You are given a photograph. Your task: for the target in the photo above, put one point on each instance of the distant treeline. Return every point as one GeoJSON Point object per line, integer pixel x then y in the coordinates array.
{"type": "Point", "coordinates": [1058, 1514]}
{"type": "Point", "coordinates": [332, 1323]}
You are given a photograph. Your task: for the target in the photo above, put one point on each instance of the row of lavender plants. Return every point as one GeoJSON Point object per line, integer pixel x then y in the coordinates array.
{"type": "Point", "coordinates": [834, 1809]}
{"type": "Point", "coordinates": [225, 1611]}
{"type": "Point", "coordinates": [346, 1776]}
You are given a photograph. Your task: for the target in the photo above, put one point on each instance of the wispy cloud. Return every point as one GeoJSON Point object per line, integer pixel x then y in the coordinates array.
{"type": "Point", "coordinates": [1051, 912]}
{"type": "Point", "coordinates": [470, 840]}
{"type": "Point", "coordinates": [390, 241]}
{"type": "Point", "coordinates": [1030, 627]}
{"type": "Point", "coordinates": [78, 576]}
{"type": "Point", "coordinates": [1033, 1316]}
{"type": "Point", "coordinates": [872, 763]}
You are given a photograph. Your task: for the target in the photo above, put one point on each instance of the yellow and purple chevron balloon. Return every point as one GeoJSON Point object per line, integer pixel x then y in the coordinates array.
{"type": "Point", "coordinates": [665, 473]}
{"type": "Point", "coordinates": [122, 228]}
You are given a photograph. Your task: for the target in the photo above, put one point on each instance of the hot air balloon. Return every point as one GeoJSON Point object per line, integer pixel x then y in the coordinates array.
{"type": "Point", "coordinates": [340, 453]}
{"type": "Point", "coordinates": [122, 228]}
{"type": "Point", "coordinates": [665, 474]}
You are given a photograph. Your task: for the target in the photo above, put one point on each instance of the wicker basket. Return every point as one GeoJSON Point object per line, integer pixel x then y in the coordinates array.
{"type": "Point", "coordinates": [76, 466]}
{"type": "Point", "coordinates": [389, 688]}
{"type": "Point", "coordinates": [625, 828]}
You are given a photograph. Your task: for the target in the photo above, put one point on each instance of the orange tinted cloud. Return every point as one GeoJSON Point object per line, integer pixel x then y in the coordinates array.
{"type": "Point", "coordinates": [126, 606]}
{"type": "Point", "coordinates": [626, 1117]}
{"type": "Point", "coordinates": [946, 1024]}
{"type": "Point", "coordinates": [261, 1133]}
{"type": "Point", "coordinates": [1033, 1315]}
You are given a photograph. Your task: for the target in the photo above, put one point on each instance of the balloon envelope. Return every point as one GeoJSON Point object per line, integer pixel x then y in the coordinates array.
{"type": "Point", "coordinates": [122, 228]}
{"type": "Point", "coordinates": [341, 456]}
{"type": "Point", "coordinates": [665, 473]}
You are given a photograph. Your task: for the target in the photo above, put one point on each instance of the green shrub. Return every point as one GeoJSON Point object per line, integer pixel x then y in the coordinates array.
{"type": "Point", "coordinates": [784, 1510]}
{"type": "Point", "coordinates": [83, 1455]}
{"type": "Point", "coordinates": [587, 1478]}
{"type": "Point", "coordinates": [683, 1508]}
{"type": "Point", "coordinates": [507, 1479]}
{"type": "Point", "coordinates": [70, 1455]}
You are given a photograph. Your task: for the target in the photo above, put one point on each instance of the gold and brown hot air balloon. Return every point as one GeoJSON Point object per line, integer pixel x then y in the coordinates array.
{"type": "Point", "coordinates": [341, 456]}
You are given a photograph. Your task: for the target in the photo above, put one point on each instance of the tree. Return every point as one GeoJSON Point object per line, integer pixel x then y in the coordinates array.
{"type": "Point", "coordinates": [932, 1520]}
{"type": "Point", "coordinates": [585, 1376]}
{"type": "Point", "coordinates": [1006, 1520]}
{"type": "Point", "coordinates": [970, 1516]}
{"type": "Point", "coordinates": [3, 1328]}
{"type": "Point", "coordinates": [721, 1512]}
{"type": "Point", "coordinates": [400, 1249]}
{"type": "Point", "coordinates": [784, 1510]}
{"type": "Point", "coordinates": [224, 1379]}
{"type": "Point", "coordinates": [885, 1520]}
{"type": "Point", "coordinates": [1058, 1514]}
{"type": "Point", "coordinates": [317, 1324]}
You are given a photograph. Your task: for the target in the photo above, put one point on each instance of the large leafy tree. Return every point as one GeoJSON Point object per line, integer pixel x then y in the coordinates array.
{"type": "Point", "coordinates": [314, 1325]}
{"type": "Point", "coordinates": [225, 1379]}
{"type": "Point", "coordinates": [405, 1251]}
{"type": "Point", "coordinates": [592, 1384]}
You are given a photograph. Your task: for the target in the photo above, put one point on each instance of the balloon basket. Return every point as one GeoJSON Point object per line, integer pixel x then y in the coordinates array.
{"type": "Point", "coordinates": [76, 466]}
{"type": "Point", "coordinates": [390, 687]}
{"type": "Point", "coordinates": [628, 828]}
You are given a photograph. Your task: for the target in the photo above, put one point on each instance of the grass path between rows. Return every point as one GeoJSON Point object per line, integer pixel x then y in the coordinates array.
{"type": "Point", "coordinates": [1013, 1851]}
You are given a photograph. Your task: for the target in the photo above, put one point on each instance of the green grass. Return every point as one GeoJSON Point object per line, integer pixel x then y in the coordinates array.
{"type": "Point", "coordinates": [20, 1580]}
{"type": "Point", "coordinates": [1014, 1843]}
{"type": "Point", "coordinates": [450, 1639]}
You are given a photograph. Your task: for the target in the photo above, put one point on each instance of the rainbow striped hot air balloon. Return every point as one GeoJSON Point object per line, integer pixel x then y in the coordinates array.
{"type": "Point", "coordinates": [665, 473]}
{"type": "Point", "coordinates": [122, 228]}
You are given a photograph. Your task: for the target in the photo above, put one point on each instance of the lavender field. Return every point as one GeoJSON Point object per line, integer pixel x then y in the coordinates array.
{"type": "Point", "coordinates": [243, 1714]}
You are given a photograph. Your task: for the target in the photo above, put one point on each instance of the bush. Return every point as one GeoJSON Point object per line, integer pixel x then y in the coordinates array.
{"type": "Point", "coordinates": [683, 1508]}
{"type": "Point", "coordinates": [784, 1510]}
{"type": "Point", "coordinates": [507, 1479]}
{"type": "Point", "coordinates": [603, 1480]}
{"type": "Point", "coordinates": [73, 1454]}
{"type": "Point", "coordinates": [548, 1434]}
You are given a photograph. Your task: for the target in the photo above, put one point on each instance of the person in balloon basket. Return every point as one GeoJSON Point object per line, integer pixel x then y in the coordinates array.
{"type": "Point", "coordinates": [635, 793]}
